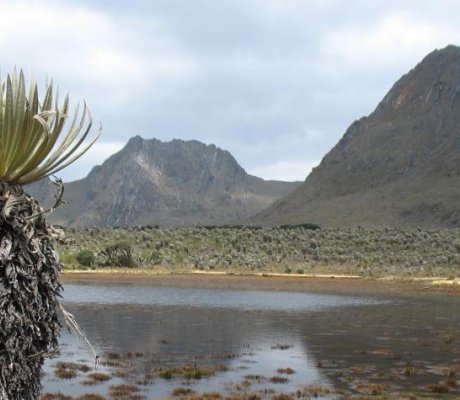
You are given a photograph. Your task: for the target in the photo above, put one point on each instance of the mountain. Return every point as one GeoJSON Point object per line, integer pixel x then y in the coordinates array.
{"type": "Point", "coordinates": [398, 166]}
{"type": "Point", "coordinates": [167, 183]}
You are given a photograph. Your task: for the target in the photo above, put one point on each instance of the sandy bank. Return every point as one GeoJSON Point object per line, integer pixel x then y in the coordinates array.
{"type": "Point", "coordinates": [338, 284]}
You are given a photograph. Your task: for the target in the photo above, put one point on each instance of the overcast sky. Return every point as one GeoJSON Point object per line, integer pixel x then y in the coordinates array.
{"type": "Point", "coordinates": [275, 82]}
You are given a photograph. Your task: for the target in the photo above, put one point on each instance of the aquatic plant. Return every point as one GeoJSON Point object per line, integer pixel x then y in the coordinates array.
{"type": "Point", "coordinates": [96, 377]}
{"type": "Point", "coordinates": [278, 379]}
{"type": "Point", "coordinates": [33, 146]}
{"type": "Point", "coordinates": [69, 370]}
{"type": "Point", "coordinates": [123, 390]}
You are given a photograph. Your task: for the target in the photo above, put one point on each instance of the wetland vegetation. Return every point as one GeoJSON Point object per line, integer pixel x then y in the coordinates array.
{"type": "Point", "coordinates": [214, 343]}
{"type": "Point", "coordinates": [297, 250]}
{"type": "Point", "coordinates": [184, 344]}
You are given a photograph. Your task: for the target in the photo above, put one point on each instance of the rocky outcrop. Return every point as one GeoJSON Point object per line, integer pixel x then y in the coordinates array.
{"type": "Point", "coordinates": [399, 166]}
{"type": "Point", "coordinates": [167, 183]}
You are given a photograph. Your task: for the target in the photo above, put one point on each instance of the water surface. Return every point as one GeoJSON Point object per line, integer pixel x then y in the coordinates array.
{"type": "Point", "coordinates": [251, 333]}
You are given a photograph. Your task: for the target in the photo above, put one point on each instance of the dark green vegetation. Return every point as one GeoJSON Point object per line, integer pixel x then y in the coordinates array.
{"type": "Point", "coordinates": [366, 252]}
{"type": "Point", "coordinates": [398, 166]}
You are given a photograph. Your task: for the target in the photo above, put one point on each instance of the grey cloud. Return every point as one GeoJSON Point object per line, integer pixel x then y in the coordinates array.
{"type": "Point", "coordinates": [261, 77]}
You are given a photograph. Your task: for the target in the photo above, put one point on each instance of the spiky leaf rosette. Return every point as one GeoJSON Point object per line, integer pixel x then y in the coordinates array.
{"type": "Point", "coordinates": [32, 146]}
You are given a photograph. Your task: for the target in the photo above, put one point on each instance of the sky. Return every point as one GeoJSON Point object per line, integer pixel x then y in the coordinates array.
{"type": "Point", "coordinates": [275, 82]}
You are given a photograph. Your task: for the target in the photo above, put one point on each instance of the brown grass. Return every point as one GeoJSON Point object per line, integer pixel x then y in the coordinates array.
{"type": "Point", "coordinates": [278, 379]}
{"type": "Point", "coordinates": [65, 373]}
{"type": "Point", "coordinates": [206, 396]}
{"type": "Point", "coordinates": [283, 396]}
{"type": "Point", "coordinates": [178, 392]}
{"type": "Point", "coordinates": [189, 372]}
{"type": "Point", "coordinates": [69, 370]}
{"type": "Point", "coordinates": [96, 378]}
{"type": "Point", "coordinates": [91, 396]}
{"type": "Point", "coordinates": [123, 390]}
{"type": "Point", "coordinates": [437, 388]}
{"type": "Point", "coordinates": [120, 373]}
{"type": "Point", "coordinates": [287, 371]}
{"type": "Point", "coordinates": [55, 396]}
{"type": "Point", "coordinates": [370, 388]}
{"type": "Point", "coordinates": [314, 390]}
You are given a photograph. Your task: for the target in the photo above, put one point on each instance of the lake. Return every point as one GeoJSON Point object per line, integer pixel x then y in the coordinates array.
{"type": "Point", "coordinates": [241, 342]}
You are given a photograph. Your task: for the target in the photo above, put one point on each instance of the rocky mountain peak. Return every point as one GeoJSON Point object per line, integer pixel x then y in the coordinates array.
{"type": "Point", "coordinates": [400, 165]}
{"type": "Point", "coordinates": [429, 87]}
{"type": "Point", "coordinates": [168, 183]}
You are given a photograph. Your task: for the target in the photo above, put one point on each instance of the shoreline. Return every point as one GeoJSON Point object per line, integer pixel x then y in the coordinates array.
{"type": "Point", "coordinates": [326, 283]}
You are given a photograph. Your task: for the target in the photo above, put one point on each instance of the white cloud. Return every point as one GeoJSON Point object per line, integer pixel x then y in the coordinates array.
{"type": "Point", "coordinates": [285, 170]}
{"type": "Point", "coordinates": [396, 39]}
{"type": "Point", "coordinates": [102, 56]}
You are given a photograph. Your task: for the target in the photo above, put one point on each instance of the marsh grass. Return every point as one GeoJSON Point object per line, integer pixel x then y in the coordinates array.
{"type": "Point", "coordinates": [371, 388]}
{"type": "Point", "coordinates": [123, 390]}
{"type": "Point", "coordinates": [255, 378]}
{"type": "Point", "coordinates": [281, 346]}
{"type": "Point", "coordinates": [120, 373]}
{"type": "Point", "coordinates": [181, 391]}
{"type": "Point", "coordinates": [287, 371]}
{"type": "Point", "coordinates": [59, 396]}
{"type": "Point", "coordinates": [437, 388]}
{"type": "Point", "coordinates": [96, 378]}
{"type": "Point", "coordinates": [55, 396]}
{"type": "Point", "coordinates": [189, 372]}
{"type": "Point", "coordinates": [69, 370]}
{"type": "Point", "coordinates": [278, 379]}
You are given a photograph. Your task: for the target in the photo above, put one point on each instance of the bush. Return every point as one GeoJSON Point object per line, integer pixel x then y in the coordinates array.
{"type": "Point", "coordinates": [154, 258]}
{"type": "Point", "coordinates": [85, 258]}
{"type": "Point", "coordinates": [120, 255]}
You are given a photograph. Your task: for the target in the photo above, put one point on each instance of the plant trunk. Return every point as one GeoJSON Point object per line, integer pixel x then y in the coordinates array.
{"type": "Point", "coordinates": [29, 286]}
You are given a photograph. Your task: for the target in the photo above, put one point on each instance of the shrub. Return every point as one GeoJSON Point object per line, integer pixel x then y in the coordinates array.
{"type": "Point", "coordinates": [120, 255]}
{"type": "Point", "coordinates": [85, 258]}
{"type": "Point", "coordinates": [67, 259]}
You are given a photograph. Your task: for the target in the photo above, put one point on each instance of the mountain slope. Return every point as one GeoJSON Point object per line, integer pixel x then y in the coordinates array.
{"type": "Point", "coordinates": [398, 166]}
{"type": "Point", "coordinates": [167, 183]}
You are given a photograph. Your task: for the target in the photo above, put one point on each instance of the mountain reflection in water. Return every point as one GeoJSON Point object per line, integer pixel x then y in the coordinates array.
{"type": "Point", "coordinates": [251, 332]}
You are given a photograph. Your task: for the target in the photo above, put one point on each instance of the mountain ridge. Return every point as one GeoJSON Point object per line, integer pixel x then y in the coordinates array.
{"type": "Point", "coordinates": [167, 183]}
{"type": "Point", "coordinates": [400, 165]}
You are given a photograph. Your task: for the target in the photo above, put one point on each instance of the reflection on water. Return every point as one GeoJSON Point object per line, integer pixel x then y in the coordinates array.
{"type": "Point", "coordinates": [235, 299]}
{"type": "Point", "coordinates": [241, 329]}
